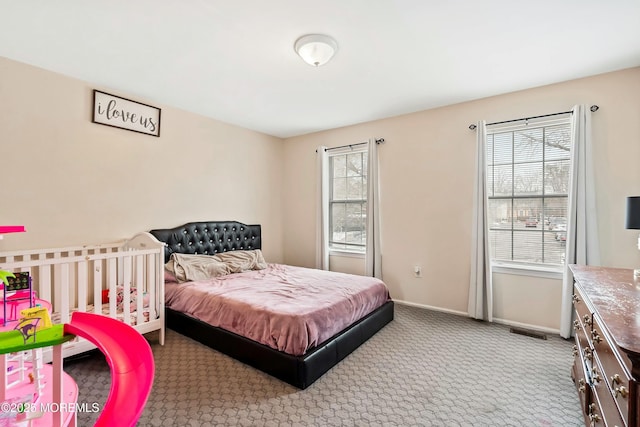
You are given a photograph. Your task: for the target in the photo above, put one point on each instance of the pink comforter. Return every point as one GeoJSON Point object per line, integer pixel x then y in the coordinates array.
{"type": "Point", "coordinates": [291, 309]}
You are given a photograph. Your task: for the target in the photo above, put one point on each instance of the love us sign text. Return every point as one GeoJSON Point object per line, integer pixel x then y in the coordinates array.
{"type": "Point", "coordinates": [123, 113]}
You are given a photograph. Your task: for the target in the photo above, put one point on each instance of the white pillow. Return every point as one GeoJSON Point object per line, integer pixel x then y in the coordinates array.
{"type": "Point", "coordinates": [239, 261]}
{"type": "Point", "coordinates": [188, 268]}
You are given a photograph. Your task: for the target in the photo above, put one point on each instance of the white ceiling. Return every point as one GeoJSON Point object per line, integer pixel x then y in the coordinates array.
{"type": "Point", "coordinates": [234, 60]}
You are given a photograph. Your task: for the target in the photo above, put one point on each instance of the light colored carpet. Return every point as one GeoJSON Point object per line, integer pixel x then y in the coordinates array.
{"type": "Point", "coordinates": [423, 369]}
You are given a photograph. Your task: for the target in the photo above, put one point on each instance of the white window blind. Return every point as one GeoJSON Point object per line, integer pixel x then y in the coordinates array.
{"type": "Point", "coordinates": [528, 182]}
{"type": "Point", "coordinates": [348, 200]}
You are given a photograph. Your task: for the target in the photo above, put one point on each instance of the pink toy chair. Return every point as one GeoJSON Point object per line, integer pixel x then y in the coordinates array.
{"type": "Point", "coordinates": [18, 298]}
{"type": "Point", "coordinates": [20, 290]}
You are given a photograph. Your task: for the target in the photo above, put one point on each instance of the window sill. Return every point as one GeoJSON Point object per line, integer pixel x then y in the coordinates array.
{"type": "Point", "coordinates": [346, 254]}
{"type": "Point", "coordinates": [544, 271]}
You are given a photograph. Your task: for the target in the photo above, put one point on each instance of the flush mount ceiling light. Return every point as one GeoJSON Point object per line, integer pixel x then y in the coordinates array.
{"type": "Point", "coordinates": [316, 49]}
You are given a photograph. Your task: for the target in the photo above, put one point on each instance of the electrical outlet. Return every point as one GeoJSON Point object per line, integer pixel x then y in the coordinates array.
{"type": "Point", "coordinates": [417, 271]}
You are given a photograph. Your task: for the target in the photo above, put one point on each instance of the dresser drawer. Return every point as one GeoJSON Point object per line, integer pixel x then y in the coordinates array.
{"type": "Point", "coordinates": [614, 372]}
{"type": "Point", "coordinates": [602, 411]}
{"type": "Point", "coordinates": [597, 335]}
{"type": "Point", "coordinates": [585, 351]}
{"type": "Point", "coordinates": [583, 313]}
{"type": "Point", "coordinates": [580, 376]}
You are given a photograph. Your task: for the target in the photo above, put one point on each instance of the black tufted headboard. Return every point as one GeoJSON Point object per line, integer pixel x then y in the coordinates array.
{"type": "Point", "coordinates": [209, 237]}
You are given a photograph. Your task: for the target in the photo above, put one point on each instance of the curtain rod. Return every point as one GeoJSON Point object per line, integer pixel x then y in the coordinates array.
{"type": "Point", "coordinates": [593, 109]}
{"type": "Point", "coordinates": [378, 141]}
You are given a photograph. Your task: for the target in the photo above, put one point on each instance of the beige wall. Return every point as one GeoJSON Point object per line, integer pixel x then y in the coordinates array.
{"type": "Point", "coordinates": [74, 182]}
{"type": "Point", "coordinates": [426, 169]}
{"type": "Point", "coordinates": [70, 181]}
{"type": "Point", "coordinates": [352, 264]}
{"type": "Point", "coordinates": [528, 301]}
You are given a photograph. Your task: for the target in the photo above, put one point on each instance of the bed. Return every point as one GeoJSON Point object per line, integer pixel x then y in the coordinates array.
{"type": "Point", "coordinates": [300, 370]}
{"type": "Point", "coordinates": [123, 280]}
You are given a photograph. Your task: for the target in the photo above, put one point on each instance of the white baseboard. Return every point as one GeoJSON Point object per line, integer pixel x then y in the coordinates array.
{"type": "Point", "coordinates": [527, 326]}
{"type": "Point", "coordinates": [430, 307]}
{"type": "Point", "coordinates": [496, 320]}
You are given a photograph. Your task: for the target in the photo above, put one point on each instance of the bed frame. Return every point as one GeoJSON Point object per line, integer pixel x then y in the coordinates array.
{"type": "Point", "coordinates": [210, 238]}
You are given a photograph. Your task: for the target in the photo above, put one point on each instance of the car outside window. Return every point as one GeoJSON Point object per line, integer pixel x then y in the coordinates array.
{"type": "Point", "coordinates": [528, 170]}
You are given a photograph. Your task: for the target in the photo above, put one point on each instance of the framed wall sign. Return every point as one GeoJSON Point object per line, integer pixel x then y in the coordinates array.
{"type": "Point", "coordinates": [111, 110]}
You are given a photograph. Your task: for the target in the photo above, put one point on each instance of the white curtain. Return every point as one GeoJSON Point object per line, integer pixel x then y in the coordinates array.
{"type": "Point", "coordinates": [322, 230]}
{"type": "Point", "coordinates": [480, 285]}
{"type": "Point", "coordinates": [582, 233]}
{"type": "Point", "coordinates": [373, 263]}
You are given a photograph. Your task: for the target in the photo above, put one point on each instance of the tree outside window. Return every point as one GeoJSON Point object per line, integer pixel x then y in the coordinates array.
{"type": "Point", "coordinates": [528, 170]}
{"type": "Point", "coordinates": [348, 201]}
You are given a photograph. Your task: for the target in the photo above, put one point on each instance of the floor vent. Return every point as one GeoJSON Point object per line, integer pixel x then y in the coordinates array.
{"type": "Point", "coordinates": [529, 333]}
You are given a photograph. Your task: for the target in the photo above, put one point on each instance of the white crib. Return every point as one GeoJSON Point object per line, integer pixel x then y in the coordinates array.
{"type": "Point", "coordinates": [74, 278]}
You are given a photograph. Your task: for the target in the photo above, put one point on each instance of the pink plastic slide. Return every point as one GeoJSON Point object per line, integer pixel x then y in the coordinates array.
{"type": "Point", "coordinates": [130, 359]}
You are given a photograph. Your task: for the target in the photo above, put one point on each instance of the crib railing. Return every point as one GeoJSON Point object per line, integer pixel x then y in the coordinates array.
{"type": "Point", "coordinates": [115, 280]}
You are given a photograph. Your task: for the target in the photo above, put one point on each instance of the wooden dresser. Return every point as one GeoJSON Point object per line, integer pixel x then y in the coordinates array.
{"type": "Point", "coordinates": [606, 369]}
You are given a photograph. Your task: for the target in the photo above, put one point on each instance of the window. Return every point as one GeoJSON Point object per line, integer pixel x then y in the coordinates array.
{"type": "Point", "coordinates": [528, 184]}
{"type": "Point", "coordinates": [348, 201]}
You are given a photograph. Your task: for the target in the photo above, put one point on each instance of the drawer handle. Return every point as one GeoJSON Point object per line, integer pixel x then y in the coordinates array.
{"type": "Point", "coordinates": [582, 387]}
{"type": "Point", "coordinates": [575, 299]}
{"type": "Point", "coordinates": [615, 380]}
{"type": "Point", "coordinates": [622, 390]}
{"type": "Point", "coordinates": [596, 336]}
{"type": "Point", "coordinates": [593, 417]}
{"type": "Point", "coordinates": [576, 324]}
{"type": "Point", "coordinates": [588, 354]}
{"type": "Point", "coordinates": [587, 319]}
{"type": "Point", "coordinates": [575, 350]}
{"type": "Point", "coordinates": [596, 376]}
